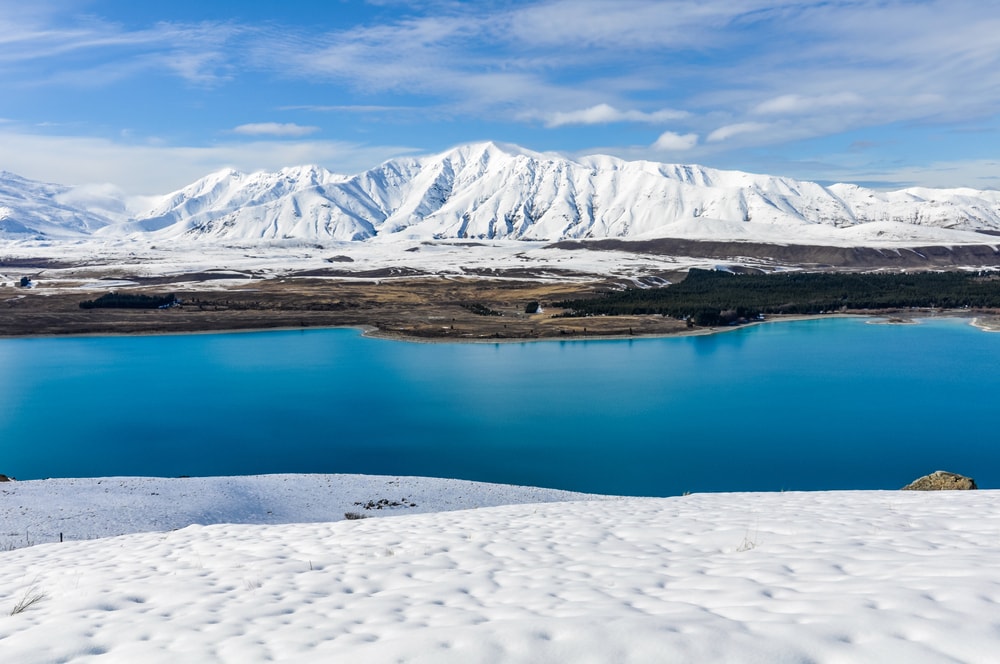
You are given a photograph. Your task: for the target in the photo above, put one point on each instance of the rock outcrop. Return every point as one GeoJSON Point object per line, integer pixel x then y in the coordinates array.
{"type": "Point", "coordinates": [941, 481]}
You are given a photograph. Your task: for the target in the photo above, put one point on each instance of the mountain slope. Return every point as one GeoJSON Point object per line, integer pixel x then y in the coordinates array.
{"type": "Point", "coordinates": [30, 209]}
{"type": "Point", "coordinates": [491, 191]}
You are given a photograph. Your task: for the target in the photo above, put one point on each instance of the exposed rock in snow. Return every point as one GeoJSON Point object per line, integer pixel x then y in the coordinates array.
{"type": "Point", "coordinates": [941, 480]}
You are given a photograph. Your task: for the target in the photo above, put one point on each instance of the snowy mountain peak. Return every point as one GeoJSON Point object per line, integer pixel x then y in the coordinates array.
{"type": "Point", "coordinates": [492, 190]}
{"type": "Point", "coordinates": [486, 150]}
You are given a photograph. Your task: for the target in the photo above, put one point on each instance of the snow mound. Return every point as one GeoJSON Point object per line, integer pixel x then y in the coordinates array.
{"type": "Point", "coordinates": [790, 577]}
{"type": "Point", "coordinates": [43, 511]}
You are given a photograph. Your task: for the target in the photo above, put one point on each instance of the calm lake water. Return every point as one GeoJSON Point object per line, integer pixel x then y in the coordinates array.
{"type": "Point", "coordinates": [825, 404]}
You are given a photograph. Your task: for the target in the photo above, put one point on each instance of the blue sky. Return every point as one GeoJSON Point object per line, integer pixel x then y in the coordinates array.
{"type": "Point", "coordinates": [150, 96]}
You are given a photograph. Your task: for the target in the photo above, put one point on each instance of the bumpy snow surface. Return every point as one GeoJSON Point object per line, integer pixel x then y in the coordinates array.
{"type": "Point", "coordinates": [487, 191]}
{"type": "Point", "coordinates": [784, 577]}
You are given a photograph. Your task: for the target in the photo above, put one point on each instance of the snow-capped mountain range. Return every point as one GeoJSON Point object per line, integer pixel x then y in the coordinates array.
{"type": "Point", "coordinates": [497, 192]}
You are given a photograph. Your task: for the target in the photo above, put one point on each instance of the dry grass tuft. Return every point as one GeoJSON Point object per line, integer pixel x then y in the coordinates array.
{"type": "Point", "coordinates": [31, 596]}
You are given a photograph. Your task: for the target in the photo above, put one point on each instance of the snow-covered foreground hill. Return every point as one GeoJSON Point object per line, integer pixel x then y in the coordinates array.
{"type": "Point", "coordinates": [487, 191]}
{"type": "Point", "coordinates": [42, 511]}
{"type": "Point", "coordinates": [784, 577]}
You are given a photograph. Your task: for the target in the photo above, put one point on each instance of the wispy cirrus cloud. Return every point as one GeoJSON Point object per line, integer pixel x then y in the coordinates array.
{"type": "Point", "coordinates": [855, 62]}
{"type": "Point", "coordinates": [728, 131]}
{"type": "Point", "coordinates": [630, 25]}
{"type": "Point", "coordinates": [48, 47]}
{"type": "Point", "coordinates": [868, 57]}
{"type": "Point", "coordinates": [723, 76]}
{"type": "Point", "coordinates": [790, 104]}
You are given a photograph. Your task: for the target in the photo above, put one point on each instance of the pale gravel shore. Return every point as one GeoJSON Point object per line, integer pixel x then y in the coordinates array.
{"type": "Point", "coordinates": [821, 577]}
{"type": "Point", "coordinates": [991, 324]}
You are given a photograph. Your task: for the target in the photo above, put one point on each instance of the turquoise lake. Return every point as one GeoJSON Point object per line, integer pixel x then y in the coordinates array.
{"type": "Point", "coordinates": [821, 404]}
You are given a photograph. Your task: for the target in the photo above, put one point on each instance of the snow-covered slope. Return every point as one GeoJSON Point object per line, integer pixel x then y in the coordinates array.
{"type": "Point", "coordinates": [30, 209]}
{"type": "Point", "coordinates": [44, 511]}
{"type": "Point", "coordinates": [491, 191]}
{"type": "Point", "coordinates": [864, 576]}
{"type": "Point", "coordinates": [305, 202]}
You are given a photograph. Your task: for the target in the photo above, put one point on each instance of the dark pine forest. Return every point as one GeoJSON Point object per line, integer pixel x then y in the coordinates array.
{"type": "Point", "coordinates": [130, 301]}
{"type": "Point", "coordinates": [711, 297]}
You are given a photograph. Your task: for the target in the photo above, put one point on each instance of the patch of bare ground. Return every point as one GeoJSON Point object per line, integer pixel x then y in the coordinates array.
{"type": "Point", "coordinates": [33, 263]}
{"type": "Point", "coordinates": [487, 304]}
{"type": "Point", "coordinates": [418, 308]}
{"type": "Point", "coordinates": [806, 256]}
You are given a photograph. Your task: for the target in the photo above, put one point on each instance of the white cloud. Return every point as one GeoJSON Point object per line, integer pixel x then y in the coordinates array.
{"type": "Point", "coordinates": [288, 129]}
{"type": "Point", "coordinates": [672, 142]}
{"type": "Point", "coordinates": [153, 168]}
{"type": "Point", "coordinates": [454, 59]}
{"type": "Point", "coordinates": [806, 68]}
{"type": "Point", "coordinates": [975, 173]}
{"type": "Point", "coordinates": [728, 131]}
{"type": "Point", "coordinates": [606, 114]}
{"type": "Point", "coordinates": [502, 61]}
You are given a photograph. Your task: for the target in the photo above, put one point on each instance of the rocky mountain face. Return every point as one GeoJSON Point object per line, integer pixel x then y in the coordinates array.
{"type": "Point", "coordinates": [491, 191]}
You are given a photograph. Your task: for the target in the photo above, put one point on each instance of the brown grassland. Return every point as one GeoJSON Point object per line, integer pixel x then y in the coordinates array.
{"type": "Point", "coordinates": [417, 308]}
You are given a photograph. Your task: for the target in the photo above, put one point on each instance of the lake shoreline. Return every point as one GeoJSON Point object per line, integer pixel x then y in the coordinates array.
{"type": "Point", "coordinates": [991, 324]}
{"type": "Point", "coordinates": [417, 310]}
{"type": "Point", "coordinates": [373, 332]}
{"type": "Point", "coordinates": [987, 324]}
{"type": "Point", "coordinates": [527, 414]}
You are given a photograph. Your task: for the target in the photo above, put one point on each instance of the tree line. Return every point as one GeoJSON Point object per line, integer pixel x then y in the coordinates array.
{"type": "Point", "coordinates": [713, 297]}
{"type": "Point", "coordinates": [130, 301]}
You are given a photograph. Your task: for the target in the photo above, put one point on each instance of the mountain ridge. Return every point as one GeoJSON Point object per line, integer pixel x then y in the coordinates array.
{"type": "Point", "coordinates": [493, 191]}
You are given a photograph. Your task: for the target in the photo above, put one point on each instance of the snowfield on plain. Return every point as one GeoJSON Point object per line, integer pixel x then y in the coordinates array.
{"type": "Point", "coordinates": [865, 576]}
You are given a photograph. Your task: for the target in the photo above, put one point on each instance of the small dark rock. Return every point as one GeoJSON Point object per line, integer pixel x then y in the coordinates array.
{"type": "Point", "coordinates": [941, 481]}
{"type": "Point", "coordinates": [385, 503]}
{"type": "Point", "coordinates": [4, 478]}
